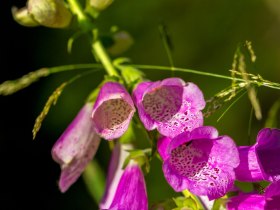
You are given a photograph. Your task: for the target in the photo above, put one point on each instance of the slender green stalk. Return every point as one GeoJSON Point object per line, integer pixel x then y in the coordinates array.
{"type": "Point", "coordinates": [77, 9]}
{"type": "Point", "coordinates": [57, 69]}
{"type": "Point", "coordinates": [230, 106]}
{"type": "Point", "coordinates": [104, 58]}
{"type": "Point", "coordinates": [269, 84]}
{"type": "Point", "coordinates": [165, 68]}
{"type": "Point", "coordinates": [97, 47]}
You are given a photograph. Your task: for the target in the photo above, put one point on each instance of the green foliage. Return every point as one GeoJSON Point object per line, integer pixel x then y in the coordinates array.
{"type": "Point", "coordinates": [186, 203]}
{"type": "Point", "coordinates": [142, 157]}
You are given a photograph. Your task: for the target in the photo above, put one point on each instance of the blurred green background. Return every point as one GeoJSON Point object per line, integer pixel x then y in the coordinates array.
{"type": "Point", "coordinates": [204, 34]}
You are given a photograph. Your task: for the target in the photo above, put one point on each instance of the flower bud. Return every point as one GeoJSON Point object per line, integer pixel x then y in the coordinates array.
{"type": "Point", "coordinates": [100, 4]}
{"type": "Point", "coordinates": [22, 17]}
{"type": "Point", "coordinates": [50, 13]}
{"type": "Point", "coordinates": [122, 42]}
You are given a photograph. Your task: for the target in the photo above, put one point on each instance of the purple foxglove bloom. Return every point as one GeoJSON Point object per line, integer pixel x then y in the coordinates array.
{"type": "Point", "coordinates": [76, 147]}
{"type": "Point", "coordinates": [270, 200]}
{"type": "Point", "coordinates": [125, 188]}
{"type": "Point", "coordinates": [260, 161]}
{"type": "Point", "coordinates": [112, 111]}
{"type": "Point", "coordinates": [246, 201]}
{"type": "Point", "coordinates": [200, 161]}
{"type": "Point", "coordinates": [171, 105]}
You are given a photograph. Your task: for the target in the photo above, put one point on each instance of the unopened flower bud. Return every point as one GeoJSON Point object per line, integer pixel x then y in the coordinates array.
{"type": "Point", "coordinates": [23, 17]}
{"type": "Point", "coordinates": [122, 42]}
{"type": "Point", "coordinates": [100, 4]}
{"type": "Point", "coordinates": [50, 13]}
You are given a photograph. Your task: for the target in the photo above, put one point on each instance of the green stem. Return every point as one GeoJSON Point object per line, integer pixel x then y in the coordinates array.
{"type": "Point", "coordinates": [97, 47]}
{"type": "Point", "coordinates": [272, 85]}
{"type": "Point", "coordinates": [104, 58]}
{"type": "Point", "coordinates": [57, 69]}
{"type": "Point", "coordinates": [187, 70]}
{"type": "Point", "coordinates": [77, 9]}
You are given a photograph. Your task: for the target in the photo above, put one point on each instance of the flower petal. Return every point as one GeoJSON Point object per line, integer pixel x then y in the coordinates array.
{"type": "Point", "coordinates": [204, 132]}
{"type": "Point", "coordinates": [175, 180]}
{"type": "Point", "coordinates": [248, 170]}
{"type": "Point", "coordinates": [115, 172]}
{"type": "Point", "coordinates": [131, 191]}
{"type": "Point", "coordinates": [75, 148]}
{"type": "Point", "coordinates": [225, 152]}
{"type": "Point", "coordinates": [204, 166]}
{"type": "Point", "coordinates": [112, 111]}
{"type": "Point", "coordinates": [246, 201]}
{"type": "Point", "coordinates": [171, 106]}
{"type": "Point", "coordinates": [267, 150]}
{"type": "Point", "coordinates": [138, 95]}
{"type": "Point", "coordinates": [162, 147]}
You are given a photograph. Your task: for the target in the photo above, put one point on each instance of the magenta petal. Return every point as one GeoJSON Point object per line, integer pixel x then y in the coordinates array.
{"type": "Point", "coordinates": [204, 166]}
{"type": "Point", "coordinates": [246, 202]}
{"type": "Point", "coordinates": [162, 147]}
{"type": "Point", "coordinates": [194, 96]}
{"type": "Point", "coordinates": [171, 106]}
{"type": "Point", "coordinates": [272, 196]}
{"type": "Point", "coordinates": [112, 111]}
{"type": "Point", "coordinates": [138, 96]}
{"type": "Point", "coordinates": [175, 180]}
{"type": "Point", "coordinates": [208, 132]}
{"type": "Point", "coordinates": [225, 152]}
{"type": "Point", "coordinates": [267, 150]}
{"type": "Point", "coordinates": [261, 161]}
{"type": "Point", "coordinates": [75, 148]}
{"type": "Point", "coordinates": [115, 172]}
{"type": "Point", "coordinates": [131, 191]}
{"type": "Point", "coordinates": [248, 169]}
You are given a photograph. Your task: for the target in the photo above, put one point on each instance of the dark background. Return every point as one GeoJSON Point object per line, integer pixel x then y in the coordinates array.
{"type": "Point", "coordinates": [205, 35]}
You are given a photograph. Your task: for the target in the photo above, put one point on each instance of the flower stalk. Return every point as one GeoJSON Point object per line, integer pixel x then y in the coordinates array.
{"type": "Point", "coordinates": [97, 47]}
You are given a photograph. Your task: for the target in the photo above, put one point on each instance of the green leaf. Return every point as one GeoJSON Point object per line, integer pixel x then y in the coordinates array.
{"type": "Point", "coordinates": [191, 200]}
{"type": "Point", "coordinates": [184, 203]}
{"type": "Point", "coordinates": [131, 75]}
{"type": "Point", "coordinates": [142, 157]}
{"type": "Point", "coordinates": [220, 204]}
{"type": "Point", "coordinates": [71, 41]}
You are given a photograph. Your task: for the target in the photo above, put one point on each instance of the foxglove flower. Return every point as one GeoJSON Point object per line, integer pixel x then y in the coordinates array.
{"type": "Point", "coordinates": [260, 161]}
{"type": "Point", "coordinates": [270, 200]}
{"type": "Point", "coordinates": [200, 161]}
{"type": "Point", "coordinates": [76, 147]}
{"type": "Point", "coordinates": [112, 111]}
{"type": "Point", "coordinates": [171, 105]}
{"type": "Point", "coordinates": [125, 188]}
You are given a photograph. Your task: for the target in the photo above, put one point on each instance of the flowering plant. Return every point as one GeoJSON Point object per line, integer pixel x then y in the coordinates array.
{"type": "Point", "coordinates": [138, 120]}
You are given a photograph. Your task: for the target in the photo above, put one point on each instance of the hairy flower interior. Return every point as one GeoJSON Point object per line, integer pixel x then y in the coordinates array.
{"type": "Point", "coordinates": [162, 103]}
{"type": "Point", "coordinates": [192, 161]}
{"type": "Point", "coordinates": [112, 114]}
